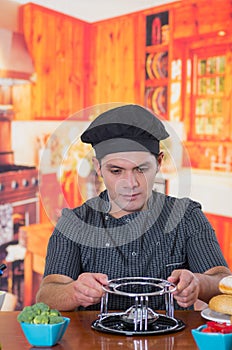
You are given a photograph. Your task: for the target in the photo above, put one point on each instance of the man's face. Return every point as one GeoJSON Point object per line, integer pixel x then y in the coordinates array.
{"type": "Point", "coordinates": [129, 178]}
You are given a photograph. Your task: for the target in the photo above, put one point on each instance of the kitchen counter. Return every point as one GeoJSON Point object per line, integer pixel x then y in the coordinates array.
{"type": "Point", "coordinates": [80, 334]}
{"type": "Point", "coordinates": [35, 239]}
{"type": "Point", "coordinates": [213, 189]}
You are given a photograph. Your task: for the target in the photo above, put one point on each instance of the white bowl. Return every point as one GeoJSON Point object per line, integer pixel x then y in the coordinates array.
{"type": "Point", "coordinates": [2, 297]}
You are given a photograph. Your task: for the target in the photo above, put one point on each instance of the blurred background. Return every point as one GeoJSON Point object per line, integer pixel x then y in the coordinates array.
{"type": "Point", "coordinates": [60, 67]}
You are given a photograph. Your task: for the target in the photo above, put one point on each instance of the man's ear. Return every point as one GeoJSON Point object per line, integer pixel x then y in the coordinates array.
{"type": "Point", "coordinates": [97, 166]}
{"type": "Point", "coordinates": [159, 159]}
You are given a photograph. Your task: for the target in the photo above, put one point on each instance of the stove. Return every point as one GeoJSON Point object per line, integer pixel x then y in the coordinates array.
{"type": "Point", "coordinates": [19, 188]}
{"type": "Point", "coordinates": [17, 182]}
{"type": "Point", "coordinates": [14, 167]}
{"type": "Point", "coordinates": [19, 206]}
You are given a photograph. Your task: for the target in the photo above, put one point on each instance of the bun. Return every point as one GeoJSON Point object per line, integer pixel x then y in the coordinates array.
{"type": "Point", "coordinates": [225, 285]}
{"type": "Point", "coordinates": [221, 303]}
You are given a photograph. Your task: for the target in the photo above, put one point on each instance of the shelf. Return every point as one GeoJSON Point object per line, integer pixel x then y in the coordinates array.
{"type": "Point", "coordinates": [156, 48]}
{"type": "Point", "coordinates": [157, 28]}
{"type": "Point", "coordinates": [157, 63]}
{"type": "Point", "coordinates": [156, 82]}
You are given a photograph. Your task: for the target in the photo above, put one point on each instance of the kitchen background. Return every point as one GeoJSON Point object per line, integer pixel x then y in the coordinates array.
{"type": "Point", "coordinates": [57, 72]}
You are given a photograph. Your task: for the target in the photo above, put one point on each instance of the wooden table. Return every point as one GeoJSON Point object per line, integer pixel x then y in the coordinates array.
{"type": "Point", "coordinates": [79, 334]}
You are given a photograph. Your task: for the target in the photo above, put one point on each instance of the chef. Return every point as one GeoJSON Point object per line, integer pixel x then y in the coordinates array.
{"type": "Point", "coordinates": [130, 230]}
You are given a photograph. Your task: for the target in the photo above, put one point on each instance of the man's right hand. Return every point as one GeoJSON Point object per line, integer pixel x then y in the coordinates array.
{"type": "Point", "coordinates": [63, 293]}
{"type": "Point", "coordinates": [88, 288]}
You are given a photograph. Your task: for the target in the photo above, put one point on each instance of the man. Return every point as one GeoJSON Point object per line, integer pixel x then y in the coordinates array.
{"type": "Point", "coordinates": [130, 230]}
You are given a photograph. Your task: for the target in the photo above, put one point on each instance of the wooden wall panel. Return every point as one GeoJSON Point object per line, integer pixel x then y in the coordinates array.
{"type": "Point", "coordinates": [223, 226]}
{"type": "Point", "coordinates": [77, 75]}
{"type": "Point", "coordinates": [21, 100]}
{"type": "Point", "coordinates": [56, 45]}
{"type": "Point", "coordinates": [63, 65]}
{"type": "Point", "coordinates": [47, 65]}
{"type": "Point", "coordinates": [30, 21]}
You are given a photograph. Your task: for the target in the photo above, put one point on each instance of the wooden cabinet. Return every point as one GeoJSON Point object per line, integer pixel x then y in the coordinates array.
{"type": "Point", "coordinates": [194, 18]}
{"type": "Point", "coordinates": [207, 93]}
{"type": "Point", "coordinates": [79, 64]}
{"type": "Point", "coordinates": [55, 42]}
{"type": "Point", "coordinates": [115, 60]}
{"type": "Point", "coordinates": [150, 57]}
{"type": "Point", "coordinates": [209, 98]}
{"type": "Point", "coordinates": [201, 45]}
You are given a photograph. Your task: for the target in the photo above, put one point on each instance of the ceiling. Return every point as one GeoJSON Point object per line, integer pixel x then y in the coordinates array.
{"type": "Point", "coordinates": [96, 10]}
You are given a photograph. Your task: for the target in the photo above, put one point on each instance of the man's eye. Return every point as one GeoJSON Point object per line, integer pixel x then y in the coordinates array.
{"type": "Point", "coordinates": [141, 170]}
{"type": "Point", "coordinates": [115, 171]}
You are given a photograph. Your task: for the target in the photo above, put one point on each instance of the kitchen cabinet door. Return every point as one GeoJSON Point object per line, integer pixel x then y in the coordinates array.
{"type": "Point", "coordinates": [193, 19]}
{"type": "Point", "coordinates": [114, 61]}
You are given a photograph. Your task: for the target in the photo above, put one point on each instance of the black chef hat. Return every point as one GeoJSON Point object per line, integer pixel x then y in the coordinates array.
{"type": "Point", "coordinates": [126, 128]}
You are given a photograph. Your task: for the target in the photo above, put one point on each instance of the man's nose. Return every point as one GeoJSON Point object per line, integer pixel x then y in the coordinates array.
{"type": "Point", "coordinates": [131, 179]}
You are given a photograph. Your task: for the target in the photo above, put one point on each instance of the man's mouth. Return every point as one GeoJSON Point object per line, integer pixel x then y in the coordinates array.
{"type": "Point", "coordinates": [131, 196]}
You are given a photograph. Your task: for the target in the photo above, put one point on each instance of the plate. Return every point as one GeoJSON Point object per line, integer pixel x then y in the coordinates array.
{"type": "Point", "coordinates": [215, 316]}
{"type": "Point", "coordinates": [148, 66]}
{"type": "Point", "coordinates": [159, 65]}
{"type": "Point", "coordinates": [159, 100]}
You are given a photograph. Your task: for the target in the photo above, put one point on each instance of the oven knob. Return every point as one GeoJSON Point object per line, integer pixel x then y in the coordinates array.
{"type": "Point", "coordinates": [34, 181]}
{"type": "Point", "coordinates": [2, 187]}
{"type": "Point", "coordinates": [14, 185]}
{"type": "Point", "coordinates": [25, 183]}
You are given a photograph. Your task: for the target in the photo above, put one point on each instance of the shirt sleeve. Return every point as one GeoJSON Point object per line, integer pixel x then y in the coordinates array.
{"type": "Point", "coordinates": [63, 256]}
{"type": "Point", "coordinates": [203, 249]}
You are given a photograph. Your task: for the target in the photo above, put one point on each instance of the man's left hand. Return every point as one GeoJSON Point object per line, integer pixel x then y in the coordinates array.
{"type": "Point", "coordinates": [187, 287]}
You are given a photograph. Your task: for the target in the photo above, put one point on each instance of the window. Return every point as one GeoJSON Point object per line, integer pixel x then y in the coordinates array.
{"type": "Point", "coordinates": [209, 103]}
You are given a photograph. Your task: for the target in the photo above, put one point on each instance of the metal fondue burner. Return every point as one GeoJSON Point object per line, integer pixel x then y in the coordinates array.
{"type": "Point", "coordinates": [139, 319]}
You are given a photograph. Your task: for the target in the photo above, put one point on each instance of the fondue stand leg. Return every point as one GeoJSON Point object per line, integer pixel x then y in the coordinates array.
{"type": "Point", "coordinates": [171, 305]}
{"type": "Point", "coordinates": [104, 304]}
{"type": "Point", "coordinates": [136, 313]}
{"type": "Point", "coordinates": [146, 312]}
{"type": "Point", "coordinates": [169, 302]}
{"type": "Point", "coordinates": [141, 313]}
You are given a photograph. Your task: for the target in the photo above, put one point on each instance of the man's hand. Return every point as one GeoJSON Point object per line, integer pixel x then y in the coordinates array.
{"type": "Point", "coordinates": [88, 288]}
{"type": "Point", "coordinates": [188, 286]}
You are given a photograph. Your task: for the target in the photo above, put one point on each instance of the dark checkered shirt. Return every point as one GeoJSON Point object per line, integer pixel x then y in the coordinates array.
{"type": "Point", "coordinates": [171, 234]}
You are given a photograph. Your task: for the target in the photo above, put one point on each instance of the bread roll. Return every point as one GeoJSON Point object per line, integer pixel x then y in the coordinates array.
{"type": "Point", "coordinates": [221, 303]}
{"type": "Point", "coordinates": [225, 285]}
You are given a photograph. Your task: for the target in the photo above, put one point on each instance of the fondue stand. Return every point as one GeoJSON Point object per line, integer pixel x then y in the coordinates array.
{"type": "Point", "coordinates": [139, 319]}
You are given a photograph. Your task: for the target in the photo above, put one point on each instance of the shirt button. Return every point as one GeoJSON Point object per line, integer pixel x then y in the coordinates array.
{"type": "Point", "coordinates": [133, 253]}
{"type": "Point", "coordinates": [106, 217]}
{"type": "Point", "coordinates": [127, 220]}
{"type": "Point", "coordinates": [107, 244]}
